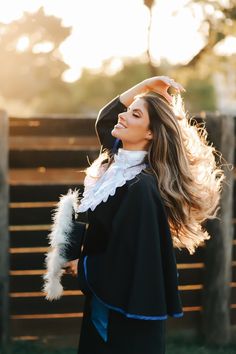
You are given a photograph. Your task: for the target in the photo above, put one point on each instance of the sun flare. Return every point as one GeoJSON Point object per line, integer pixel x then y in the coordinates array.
{"type": "Point", "coordinates": [22, 44]}
{"type": "Point", "coordinates": [99, 33]}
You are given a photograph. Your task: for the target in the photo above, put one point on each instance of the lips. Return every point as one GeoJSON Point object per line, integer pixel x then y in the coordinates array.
{"type": "Point", "coordinates": [120, 125]}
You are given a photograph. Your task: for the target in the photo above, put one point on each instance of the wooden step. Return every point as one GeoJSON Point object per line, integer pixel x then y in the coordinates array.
{"type": "Point", "coordinates": [53, 125]}
{"type": "Point", "coordinates": [36, 260]}
{"type": "Point", "coordinates": [45, 176]}
{"type": "Point", "coordinates": [51, 158]}
{"type": "Point", "coordinates": [52, 143]}
{"type": "Point", "coordinates": [43, 190]}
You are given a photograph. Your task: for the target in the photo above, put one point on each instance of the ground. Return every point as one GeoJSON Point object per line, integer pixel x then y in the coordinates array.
{"type": "Point", "coordinates": [175, 345]}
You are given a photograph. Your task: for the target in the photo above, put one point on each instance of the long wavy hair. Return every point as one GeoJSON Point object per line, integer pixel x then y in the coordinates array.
{"type": "Point", "coordinates": [184, 164]}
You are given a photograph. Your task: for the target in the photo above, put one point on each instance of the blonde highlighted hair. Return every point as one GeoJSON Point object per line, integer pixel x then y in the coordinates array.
{"type": "Point", "coordinates": [187, 174]}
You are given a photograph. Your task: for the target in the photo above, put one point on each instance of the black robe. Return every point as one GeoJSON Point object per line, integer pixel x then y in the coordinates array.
{"type": "Point", "coordinates": [127, 261]}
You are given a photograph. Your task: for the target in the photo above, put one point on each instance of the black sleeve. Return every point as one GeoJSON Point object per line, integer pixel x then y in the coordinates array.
{"type": "Point", "coordinates": [73, 249]}
{"type": "Point", "coordinates": [106, 119]}
{"type": "Point", "coordinates": [137, 274]}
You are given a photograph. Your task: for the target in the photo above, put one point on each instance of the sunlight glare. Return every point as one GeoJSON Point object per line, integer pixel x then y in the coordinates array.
{"type": "Point", "coordinates": [226, 47]}
{"type": "Point", "coordinates": [13, 9]}
{"type": "Point", "coordinates": [176, 38]}
{"type": "Point", "coordinates": [71, 75]}
{"type": "Point", "coordinates": [102, 30]}
{"type": "Point", "coordinates": [22, 44]}
{"type": "Point", "coordinates": [44, 47]}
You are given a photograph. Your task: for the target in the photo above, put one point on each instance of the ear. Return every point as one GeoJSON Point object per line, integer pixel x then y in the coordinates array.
{"type": "Point", "coordinates": [149, 135]}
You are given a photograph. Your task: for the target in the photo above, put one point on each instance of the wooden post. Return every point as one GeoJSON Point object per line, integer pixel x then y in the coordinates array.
{"type": "Point", "coordinates": [4, 236]}
{"type": "Point", "coordinates": [218, 253]}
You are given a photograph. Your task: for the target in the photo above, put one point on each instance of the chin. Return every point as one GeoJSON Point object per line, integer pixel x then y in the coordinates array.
{"type": "Point", "coordinates": [115, 133]}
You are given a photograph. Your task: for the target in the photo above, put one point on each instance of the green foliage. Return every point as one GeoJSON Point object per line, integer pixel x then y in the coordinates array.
{"type": "Point", "coordinates": [200, 95]}
{"type": "Point", "coordinates": [92, 91]}
{"type": "Point", "coordinates": [219, 19]}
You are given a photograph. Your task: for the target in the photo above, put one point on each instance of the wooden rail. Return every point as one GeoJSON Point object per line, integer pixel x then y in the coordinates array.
{"type": "Point", "coordinates": [48, 156]}
{"type": "Point", "coordinates": [4, 236]}
{"type": "Point", "coordinates": [218, 256]}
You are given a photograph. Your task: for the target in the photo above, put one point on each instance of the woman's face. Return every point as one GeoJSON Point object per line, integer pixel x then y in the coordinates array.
{"type": "Point", "coordinates": [133, 131]}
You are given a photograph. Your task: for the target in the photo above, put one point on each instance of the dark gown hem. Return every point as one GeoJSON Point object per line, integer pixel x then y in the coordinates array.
{"type": "Point", "coordinates": [128, 315]}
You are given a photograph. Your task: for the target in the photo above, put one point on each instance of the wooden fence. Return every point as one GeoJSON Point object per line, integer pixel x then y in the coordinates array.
{"type": "Point", "coordinates": [46, 155]}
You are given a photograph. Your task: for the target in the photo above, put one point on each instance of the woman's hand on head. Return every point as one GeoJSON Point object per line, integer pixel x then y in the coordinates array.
{"type": "Point", "coordinates": [71, 267]}
{"type": "Point", "coordinates": [160, 84]}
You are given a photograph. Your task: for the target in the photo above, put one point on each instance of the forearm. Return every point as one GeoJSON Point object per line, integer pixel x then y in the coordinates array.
{"type": "Point", "coordinates": [108, 115]}
{"type": "Point", "coordinates": [106, 120]}
{"type": "Point", "coordinates": [158, 84]}
{"type": "Point", "coordinates": [127, 97]}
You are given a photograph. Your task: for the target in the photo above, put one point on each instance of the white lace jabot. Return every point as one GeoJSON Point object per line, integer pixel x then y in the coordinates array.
{"type": "Point", "coordinates": [126, 165]}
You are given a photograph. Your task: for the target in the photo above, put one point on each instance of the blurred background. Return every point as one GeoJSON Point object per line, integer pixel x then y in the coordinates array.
{"type": "Point", "coordinates": [60, 63]}
{"type": "Point", "coordinates": [72, 57]}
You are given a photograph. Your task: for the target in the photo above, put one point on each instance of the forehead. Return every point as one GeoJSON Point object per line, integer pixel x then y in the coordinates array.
{"type": "Point", "coordinates": [139, 103]}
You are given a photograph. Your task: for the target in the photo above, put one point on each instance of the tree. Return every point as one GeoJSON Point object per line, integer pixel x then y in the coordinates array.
{"type": "Point", "coordinates": [220, 21]}
{"type": "Point", "coordinates": [29, 72]}
{"type": "Point", "coordinates": [153, 69]}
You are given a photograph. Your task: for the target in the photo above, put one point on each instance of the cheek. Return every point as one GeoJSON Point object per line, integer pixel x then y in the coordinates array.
{"type": "Point", "coordinates": [138, 130]}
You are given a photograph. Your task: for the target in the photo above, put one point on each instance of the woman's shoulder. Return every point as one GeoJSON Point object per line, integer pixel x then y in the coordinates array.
{"type": "Point", "coordinates": [144, 182]}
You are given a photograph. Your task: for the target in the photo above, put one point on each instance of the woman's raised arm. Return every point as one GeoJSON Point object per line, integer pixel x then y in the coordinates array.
{"type": "Point", "coordinates": [106, 119]}
{"type": "Point", "coordinates": [159, 84]}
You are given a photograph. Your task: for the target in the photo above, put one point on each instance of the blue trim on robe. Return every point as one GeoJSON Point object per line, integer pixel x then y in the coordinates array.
{"type": "Point", "coordinates": [114, 149]}
{"type": "Point", "coordinates": [99, 317]}
{"type": "Point", "coordinates": [129, 315]}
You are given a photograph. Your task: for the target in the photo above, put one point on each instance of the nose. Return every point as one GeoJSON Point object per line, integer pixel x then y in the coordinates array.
{"type": "Point", "coordinates": [121, 117]}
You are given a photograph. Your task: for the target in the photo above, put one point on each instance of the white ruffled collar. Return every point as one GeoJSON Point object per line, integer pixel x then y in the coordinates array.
{"type": "Point", "coordinates": [127, 164]}
{"type": "Point", "coordinates": [129, 158]}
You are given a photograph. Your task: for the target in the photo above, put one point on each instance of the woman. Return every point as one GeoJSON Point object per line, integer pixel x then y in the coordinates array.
{"type": "Point", "coordinates": [153, 184]}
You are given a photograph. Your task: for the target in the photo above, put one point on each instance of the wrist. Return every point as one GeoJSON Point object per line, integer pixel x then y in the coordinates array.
{"type": "Point", "coordinates": [127, 97]}
{"type": "Point", "coordinates": [142, 87]}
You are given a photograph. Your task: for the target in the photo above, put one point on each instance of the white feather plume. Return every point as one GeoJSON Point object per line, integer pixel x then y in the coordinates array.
{"type": "Point", "coordinates": [58, 238]}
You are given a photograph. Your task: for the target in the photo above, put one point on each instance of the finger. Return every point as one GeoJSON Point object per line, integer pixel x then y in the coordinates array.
{"type": "Point", "coordinates": [68, 271]}
{"type": "Point", "coordinates": [180, 87]}
{"type": "Point", "coordinates": [168, 97]}
{"type": "Point", "coordinates": [173, 83]}
{"type": "Point", "coordinates": [64, 267]}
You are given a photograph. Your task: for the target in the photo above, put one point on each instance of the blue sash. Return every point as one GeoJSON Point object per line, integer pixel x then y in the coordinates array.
{"type": "Point", "coordinates": [99, 317]}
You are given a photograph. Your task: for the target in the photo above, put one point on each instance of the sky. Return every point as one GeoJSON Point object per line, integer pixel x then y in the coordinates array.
{"type": "Point", "coordinates": [118, 28]}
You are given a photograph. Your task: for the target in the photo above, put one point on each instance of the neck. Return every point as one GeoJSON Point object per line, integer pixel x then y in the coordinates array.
{"type": "Point", "coordinates": [132, 147]}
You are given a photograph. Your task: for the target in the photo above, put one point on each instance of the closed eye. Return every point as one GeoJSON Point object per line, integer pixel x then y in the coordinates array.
{"type": "Point", "coordinates": [136, 110]}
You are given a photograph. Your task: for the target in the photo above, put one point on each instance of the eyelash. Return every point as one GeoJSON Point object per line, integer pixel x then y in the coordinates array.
{"type": "Point", "coordinates": [135, 115]}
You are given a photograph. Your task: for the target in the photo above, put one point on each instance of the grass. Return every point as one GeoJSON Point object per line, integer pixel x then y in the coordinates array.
{"type": "Point", "coordinates": [175, 345]}
{"type": "Point", "coordinates": [180, 345]}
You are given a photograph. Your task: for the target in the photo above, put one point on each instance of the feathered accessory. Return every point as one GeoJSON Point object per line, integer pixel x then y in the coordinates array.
{"type": "Point", "coordinates": [58, 239]}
